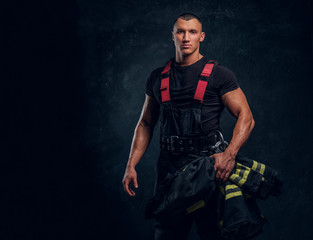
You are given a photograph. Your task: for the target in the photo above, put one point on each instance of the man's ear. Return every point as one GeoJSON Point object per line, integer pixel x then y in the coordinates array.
{"type": "Point", "coordinates": [172, 36]}
{"type": "Point", "coordinates": [202, 36]}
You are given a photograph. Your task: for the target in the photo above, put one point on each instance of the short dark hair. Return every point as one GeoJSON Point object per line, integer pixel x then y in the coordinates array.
{"type": "Point", "coordinates": [187, 16]}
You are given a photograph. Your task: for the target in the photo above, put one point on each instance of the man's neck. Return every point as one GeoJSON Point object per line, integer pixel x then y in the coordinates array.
{"type": "Point", "coordinates": [185, 60]}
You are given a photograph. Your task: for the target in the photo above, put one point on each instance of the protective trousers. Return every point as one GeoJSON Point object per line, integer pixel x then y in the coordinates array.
{"type": "Point", "coordinates": [186, 190]}
{"type": "Point", "coordinates": [180, 130]}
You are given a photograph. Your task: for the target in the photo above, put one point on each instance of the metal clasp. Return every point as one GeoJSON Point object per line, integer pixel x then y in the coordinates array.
{"type": "Point", "coordinates": [220, 145]}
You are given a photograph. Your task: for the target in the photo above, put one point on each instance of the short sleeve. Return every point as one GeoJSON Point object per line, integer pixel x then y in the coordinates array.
{"type": "Point", "coordinates": [149, 90]}
{"type": "Point", "coordinates": [226, 80]}
{"type": "Point", "coordinates": [153, 84]}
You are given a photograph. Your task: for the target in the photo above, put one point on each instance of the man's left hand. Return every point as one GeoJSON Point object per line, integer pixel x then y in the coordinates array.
{"type": "Point", "coordinates": [224, 164]}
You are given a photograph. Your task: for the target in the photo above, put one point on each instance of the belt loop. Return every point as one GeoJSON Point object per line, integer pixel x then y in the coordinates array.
{"type": "Point", "coordinates": [174, 150]}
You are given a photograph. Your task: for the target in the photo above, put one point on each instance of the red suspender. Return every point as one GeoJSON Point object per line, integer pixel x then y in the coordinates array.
{"type": "Point", "coordinates": [202, 84]}
{"type": "Point", "coordinates": [167, 67]}
{"type": "Point", "coordinates": [165, 83]}
{"type": "Point", "coordinates": [206, 72]}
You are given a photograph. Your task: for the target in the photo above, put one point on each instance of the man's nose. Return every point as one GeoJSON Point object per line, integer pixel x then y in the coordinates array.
{"type": "Point", "coordinates": [186, 37]}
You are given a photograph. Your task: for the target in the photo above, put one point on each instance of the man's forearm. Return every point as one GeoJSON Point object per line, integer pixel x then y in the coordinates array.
{"type": "Point", "coordinates": [237, 104]}
{"type": "Point", "coordinates": [243, 128]}
{"type": "Point", "coordinates": [142, 136]}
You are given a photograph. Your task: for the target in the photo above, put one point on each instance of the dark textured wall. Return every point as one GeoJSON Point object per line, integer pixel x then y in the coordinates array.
{"type": "Point", "coordinates": [72, 89]}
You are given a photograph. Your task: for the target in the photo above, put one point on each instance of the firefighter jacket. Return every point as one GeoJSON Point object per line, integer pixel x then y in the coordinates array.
{"type": "Point", "coordinates": [191, 187]}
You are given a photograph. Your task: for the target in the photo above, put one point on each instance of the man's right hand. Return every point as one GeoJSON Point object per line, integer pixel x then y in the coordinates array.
{"type": "Point", "coordinates": [142, 136]}
{"type": "Point", "coordinates": [130, 176]}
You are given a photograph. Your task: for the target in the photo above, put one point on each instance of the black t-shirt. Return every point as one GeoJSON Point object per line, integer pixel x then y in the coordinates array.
{"type": "Point", "coordinates": [183, 83]}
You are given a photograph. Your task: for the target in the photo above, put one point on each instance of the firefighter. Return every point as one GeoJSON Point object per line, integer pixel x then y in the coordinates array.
{"type": "Point", "coordinates": [187, 96]}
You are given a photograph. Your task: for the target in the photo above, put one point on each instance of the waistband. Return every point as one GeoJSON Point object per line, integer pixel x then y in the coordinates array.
{"type": "Point", "coordinates": [214, 142]}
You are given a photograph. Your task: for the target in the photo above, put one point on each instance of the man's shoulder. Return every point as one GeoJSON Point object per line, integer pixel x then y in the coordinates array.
{"type": "Point", "coordinates": [222, 72]}
{"type": "Point", "coordinates": [221, 68]}
{"type": "Point", "coordinates": [218, 67]}
{"type": "Point", "coordinates": [156, 73]}
{"type": "Point", "coordinates": [161, 67]}
{"type": "Point", "coordinates": [224, 79]}
{"type": "Point", "coordinates": [153, 82]}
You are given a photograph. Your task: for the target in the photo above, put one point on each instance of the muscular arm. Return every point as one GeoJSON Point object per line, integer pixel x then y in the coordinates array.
{"type": "Point", "coordinates": [237, 104]}
{"type": "Point", "coordinates": [141, 139]}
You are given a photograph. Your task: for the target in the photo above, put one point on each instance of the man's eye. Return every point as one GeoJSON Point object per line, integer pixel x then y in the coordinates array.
{"type": "Point", "coordinates": [179, 31]}
{"type": "Point", "coordinates": [193, 32]}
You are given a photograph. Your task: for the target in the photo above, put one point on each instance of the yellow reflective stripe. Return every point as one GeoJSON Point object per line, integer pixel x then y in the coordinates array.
{"type": "Point", "coordinates": [259, 167]}
{"type": "Point", "coordinates": [233, 176]}
{"type": "Point", "coordinates": [231, 186]}
{"type": "Point", "coordinates": [194, 207]}
{"type": "Point", "coordinates": [262, 168]}
{"type": "Point", "coordinates": [239, 164]}
{"type": "Point", "coordinates": [233, 194]}
{"type": "Point", "coordinates": [238, 168]}
{"type": "Point", "coordinates": [255, 165]}
{"type": "Point", "coordinates": [236, 191]}
{"type": "Point", "coordinates": [244, 178]}
{"type": "Point", "coordinates": [240, 179]}
{"type": "Point", "coordinates": [241, 173]}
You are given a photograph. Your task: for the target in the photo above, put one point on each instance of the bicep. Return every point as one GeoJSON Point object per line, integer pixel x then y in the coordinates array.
{"type": "Point", "coordinates": [150, 111]}
{"type": "Point", "coordinates": [236, 102]}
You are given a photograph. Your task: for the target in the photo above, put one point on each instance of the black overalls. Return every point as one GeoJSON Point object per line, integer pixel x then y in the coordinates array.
{"type": "Point", "coordinates": [229, 210]}
{"type": "Point", "coordinates": [181, 138]}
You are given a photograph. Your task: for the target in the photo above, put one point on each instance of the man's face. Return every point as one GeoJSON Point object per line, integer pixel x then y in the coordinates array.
{"type": "Point", "coordinates": [187, 36]}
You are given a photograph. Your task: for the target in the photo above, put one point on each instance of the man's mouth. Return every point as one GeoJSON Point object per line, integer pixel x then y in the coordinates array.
{"type": "Point", "coordinates": [186, 46]}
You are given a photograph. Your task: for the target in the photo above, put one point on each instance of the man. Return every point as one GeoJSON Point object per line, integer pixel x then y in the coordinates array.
{"type": "Point", "coordinates": [176, 105]}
